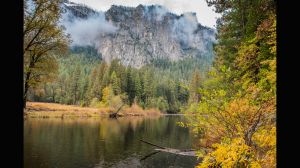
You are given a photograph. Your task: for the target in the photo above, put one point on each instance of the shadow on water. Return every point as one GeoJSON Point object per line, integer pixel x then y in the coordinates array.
{"type": "Point", "coordinates": [76, 143]}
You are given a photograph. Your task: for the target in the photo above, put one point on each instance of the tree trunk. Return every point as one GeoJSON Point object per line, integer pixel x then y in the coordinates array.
{"type": "Point", "coordinates": [114, 115]}
{"type": "Point", "coordinates": [53, 94]}
{"type": "Point", "coordinates": [74, 97]}
{"type": "Point", "coordinates": [26, 89]}
{"type": "Point", "coordinates": [248, 135]}
{"type": "Point", "coordinates": [24, 101]}
{"type": "Point", "coordinates": [28, 74]}
{"type": "Point", "coordinates": [248, 138]}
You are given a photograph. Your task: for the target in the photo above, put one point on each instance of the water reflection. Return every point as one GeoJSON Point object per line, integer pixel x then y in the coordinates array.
{"type": "Point", "coordinates": [104, 142]}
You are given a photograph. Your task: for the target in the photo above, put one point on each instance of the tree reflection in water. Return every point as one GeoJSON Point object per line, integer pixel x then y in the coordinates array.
{"type": "Point", "coordinates": [105, 142]}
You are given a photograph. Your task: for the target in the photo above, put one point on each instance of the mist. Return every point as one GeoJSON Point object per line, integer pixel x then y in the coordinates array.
{"type": "Point", "coordinates": [184, 28]}
{"type": "Point", "coordinates": [158, 11]}
{"type": "Point", "coordinates": [85, 32]}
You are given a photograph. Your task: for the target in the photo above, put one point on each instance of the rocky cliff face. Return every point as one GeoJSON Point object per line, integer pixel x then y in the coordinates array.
{"type": "Point", "coordinates": [138, 35]}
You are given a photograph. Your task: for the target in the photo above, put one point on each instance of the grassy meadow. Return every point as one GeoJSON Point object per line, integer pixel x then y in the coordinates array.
{"type": "Point", "coordinates": [54, 110]}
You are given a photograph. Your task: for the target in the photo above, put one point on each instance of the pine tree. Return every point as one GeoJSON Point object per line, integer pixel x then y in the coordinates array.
{"type": "Point", "coordinates": [194, 87]}
{"type": "Point", "coordinates": [130, 86]}
{"type": "Point", "coordinates": [114, 66]}
{"type": "Point", "coordinates": [76, 84]}
{"type": "Point", "coordinates": [92, 80]}
{"type": "Point", "coordinates": [138, 87]}
{"type": "Point", "coordinates": [182, 93]}
{"type": "Point", "coordinates": [148, 86]}
{"type": "Point", "coordinates": [104, 81]}
{"type": "Point", "coordinates": [115, 82]}
{"type": "Point", "coordinates": [62, 88]}
{"type": "Point", "coordinates": [83, 91]}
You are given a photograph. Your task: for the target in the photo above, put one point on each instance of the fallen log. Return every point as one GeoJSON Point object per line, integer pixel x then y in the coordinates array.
{"type": "Point", "coordinates": [114, 115]}
{"type": "Point", "coordinates": [178, 152]}
{"type": "Point", "coordinates": [152, 144]}
{"type": "Point", "coordinates": [185, 152]}
{"type": "Point", "coordinates": [145, 157]}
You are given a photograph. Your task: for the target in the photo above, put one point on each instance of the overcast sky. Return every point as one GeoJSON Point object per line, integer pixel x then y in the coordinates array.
{"type": "Point", "coordinates": [205, 15]}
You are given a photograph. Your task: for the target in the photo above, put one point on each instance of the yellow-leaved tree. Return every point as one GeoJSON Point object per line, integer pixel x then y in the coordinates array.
{"type": "Point", "coordinates": [44, 38]}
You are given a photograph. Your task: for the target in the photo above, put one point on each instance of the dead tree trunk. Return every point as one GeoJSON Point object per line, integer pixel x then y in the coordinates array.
{"type": "Point", "coordinates": [114, 115]}
{"type": "Point", "coordinates": [185, 152]}
{"type": "Point", "coordinates": [152, 144]}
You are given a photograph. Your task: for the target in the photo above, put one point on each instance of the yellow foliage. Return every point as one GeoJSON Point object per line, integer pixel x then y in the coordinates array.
{"type": "Point", "coordinates": [265, 139]}
{"type": "Point", "coordinates": [229, 155]}
{"type": "Point", "coordinates": [136, 110]}
{"type": "Point", "coordinates": [107, 93]}
{"type": "Point", "coordinates": [237, 110]}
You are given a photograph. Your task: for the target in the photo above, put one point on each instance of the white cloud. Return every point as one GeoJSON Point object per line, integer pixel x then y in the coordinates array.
{"type": "Point", "coordinates": [205, 15]}
{"type": "Point", "coordinates": [86, 31]}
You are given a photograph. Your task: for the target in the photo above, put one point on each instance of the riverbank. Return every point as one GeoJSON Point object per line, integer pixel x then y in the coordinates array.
{"type": "Point", "coordinates": [54, 110]}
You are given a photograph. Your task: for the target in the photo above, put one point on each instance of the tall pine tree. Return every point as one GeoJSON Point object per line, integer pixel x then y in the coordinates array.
{"type": "Point", "coordinates": [194, 87]}
{"type": "Point", "coordinates": [116, 84]}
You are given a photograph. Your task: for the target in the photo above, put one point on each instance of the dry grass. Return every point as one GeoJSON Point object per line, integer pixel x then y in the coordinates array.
{"type": "Point", "coordinates": [152, 112]}
{"type": "Point", "coordinates": [136, 110]}
{"type": "Point", "coordinates": [54, 110]}
{"type": "Point", "coordinates": [50, 110]}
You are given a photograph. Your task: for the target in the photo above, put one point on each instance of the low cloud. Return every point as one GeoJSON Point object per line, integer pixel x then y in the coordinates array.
{"type": "Point", "coordinates": [159, 12]}
{"type": "Point", "coordinates": [206, 16]}
{"type": "Point", "coordinates": [184, 28]}
{"type": "Point", "coordinates": [85, 32]}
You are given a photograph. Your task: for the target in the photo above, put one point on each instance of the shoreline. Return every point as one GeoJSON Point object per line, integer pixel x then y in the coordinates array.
{"type": "Point", "coordinates": [55, 110]}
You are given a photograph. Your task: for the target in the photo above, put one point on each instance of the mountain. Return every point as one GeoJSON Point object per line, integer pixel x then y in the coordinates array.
{"type": "Point", "coordinates": [138, 35]}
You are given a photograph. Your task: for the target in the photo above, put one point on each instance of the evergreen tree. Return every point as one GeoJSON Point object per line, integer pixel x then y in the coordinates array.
{"type": "Point", "coordinates": [97, 81]}
{"type": "Point", "coordinates": [130, 86]}
{"type": "Point", "coordinates": [105, 80]}
{"type": "Point", "coordinates": [76, 84]}
{"type": "Point", "coordinates": [121, 73]}
{"type": "Point", "coordinates": [182, 94]}
{"type": "Point", "coordinates": [83, 91]}
{"type": "Point", "coordinates": [116, 84]}
{"type": "Point", "coordinates": [194, 87]}
{"type": "Point", "coordinates": [148, 86]}
{"type": "Point", "coordinates": [138, 87]}
{"type": "Point", "coordinates": [91, 93]}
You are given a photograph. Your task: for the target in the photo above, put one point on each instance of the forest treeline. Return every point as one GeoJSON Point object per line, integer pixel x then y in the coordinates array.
{"type": "Point", "coordinates": [236, 112]}
{"type": "Point", "coordinates": [84, 79]}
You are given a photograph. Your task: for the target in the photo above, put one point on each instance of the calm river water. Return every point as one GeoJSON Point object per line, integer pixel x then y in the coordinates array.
{"type": "Point", "coordinates": [93, 143]}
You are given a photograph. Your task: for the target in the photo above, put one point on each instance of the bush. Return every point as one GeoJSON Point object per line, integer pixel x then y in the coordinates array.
{"type": "Point", "coordinates": [232, 154]}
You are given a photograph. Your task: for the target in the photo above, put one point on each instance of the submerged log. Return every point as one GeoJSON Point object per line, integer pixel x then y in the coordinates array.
{"type": "Point", "coordinates": [145, 157]}
{"type": "Point", "coordinates": [178, 151]}
{"type": "Point", "coordinates": [185, 152]}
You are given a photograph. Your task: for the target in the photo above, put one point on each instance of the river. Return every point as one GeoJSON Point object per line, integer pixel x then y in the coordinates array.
{"type": "Point", "coordinates": [93, 143]}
